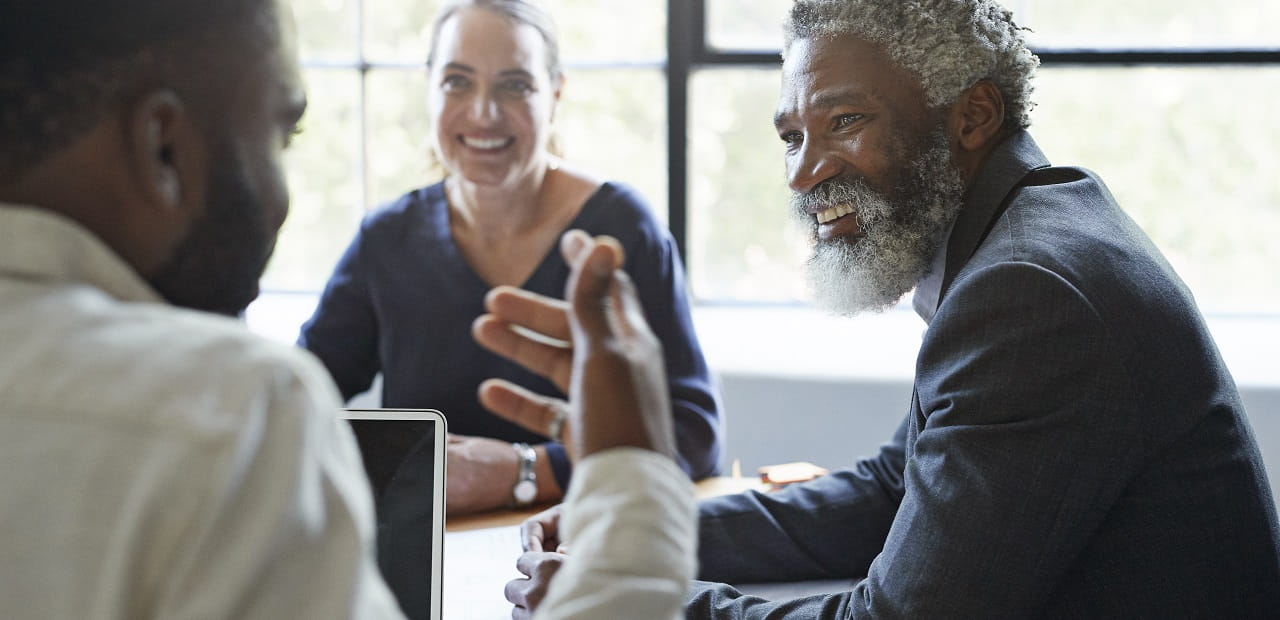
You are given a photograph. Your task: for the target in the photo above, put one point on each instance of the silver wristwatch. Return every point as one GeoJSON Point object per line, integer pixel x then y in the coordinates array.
{"type": "Point", "coordinates": [526, 487]}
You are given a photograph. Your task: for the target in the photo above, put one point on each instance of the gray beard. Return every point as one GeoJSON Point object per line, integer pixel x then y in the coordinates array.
{"type": "Point", "coordinates": [901, 234]}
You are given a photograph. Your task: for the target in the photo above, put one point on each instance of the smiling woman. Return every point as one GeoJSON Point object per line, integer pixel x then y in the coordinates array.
{"type": "Point", "coordinates": [405, 292]}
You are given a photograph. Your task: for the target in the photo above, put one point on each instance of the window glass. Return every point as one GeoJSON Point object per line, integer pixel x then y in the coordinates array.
{"type": "Point", "coordinates": [746, 25]}
{"type": "Point", "coordinates": [755, 24]}
{"type": "Point", "coordinates": [596, 31]}
{"type": "Point", "coordinates": [398, 30]}
{"type": "Point", "coordinates": [1190, 154]}
{"type": "Point", "coordinates": [591, 31]}
{"type": "Point", "coordinates": [1150, 23]}
{"type": "Point", "coordinates": [325, 195]}
{"type": "Point", "coordinates": [398, 133]}
{"type": "Point", "coordinates": [613, 123]}
{"type": "Point", "coordinates": [742, 243]}
{"type": "Point", "coordinates": [326, 30]}
{"type": "Point", "coordinates": [612, 118]}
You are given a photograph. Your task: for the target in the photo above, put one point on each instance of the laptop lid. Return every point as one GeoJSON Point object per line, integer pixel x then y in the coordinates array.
{"type": "Point", "coordinates": [404, 456]}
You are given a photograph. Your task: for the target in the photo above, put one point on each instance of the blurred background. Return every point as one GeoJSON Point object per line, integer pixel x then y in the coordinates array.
{"type": "Point", "coordinates": [1172, 102]}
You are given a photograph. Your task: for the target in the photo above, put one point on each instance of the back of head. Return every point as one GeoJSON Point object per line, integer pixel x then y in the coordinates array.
{"type": "Point", "coordinates": [949, 44]}
{"type": "Point", "coordinates": [64, 64]}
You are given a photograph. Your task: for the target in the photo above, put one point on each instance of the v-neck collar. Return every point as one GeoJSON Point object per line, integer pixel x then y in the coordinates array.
{"type": "Point", "coordinates": [452, 253]}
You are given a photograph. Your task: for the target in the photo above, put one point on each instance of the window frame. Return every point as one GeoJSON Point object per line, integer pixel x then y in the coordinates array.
{"type": "Point", "coordinates": [362, 65]}
{"type": "Point", "coordinates": [688, 52]}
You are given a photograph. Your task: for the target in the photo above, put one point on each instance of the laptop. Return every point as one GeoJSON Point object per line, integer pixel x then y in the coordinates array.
{"type": "Point", "coordinates": [404, 455]}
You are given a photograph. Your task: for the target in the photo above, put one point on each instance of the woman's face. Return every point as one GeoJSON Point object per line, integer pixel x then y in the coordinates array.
{"type": "Point", "coordinates": [491, 98]}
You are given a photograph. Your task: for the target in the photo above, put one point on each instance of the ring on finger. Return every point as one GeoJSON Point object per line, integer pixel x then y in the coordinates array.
{"type": "Point", "coordinates": [556, 428]}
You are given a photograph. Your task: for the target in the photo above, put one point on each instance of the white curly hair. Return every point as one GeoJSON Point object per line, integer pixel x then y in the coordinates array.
{"type": "Point", "coordinates": [949, 44]}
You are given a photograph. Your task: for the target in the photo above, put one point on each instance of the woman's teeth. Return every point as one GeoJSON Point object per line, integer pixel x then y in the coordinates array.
{"type": "Point", "coordinates": [487, 144]}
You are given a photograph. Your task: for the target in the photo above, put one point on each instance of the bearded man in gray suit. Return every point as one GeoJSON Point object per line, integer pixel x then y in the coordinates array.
{"type": "Point", "coordinates": [1074, 446]}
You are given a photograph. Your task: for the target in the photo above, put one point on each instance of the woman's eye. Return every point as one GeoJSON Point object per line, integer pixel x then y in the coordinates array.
{"type": "Point", "coordinates": [454, 82]}
{"type": "Point", "coordinates": [517, 86]}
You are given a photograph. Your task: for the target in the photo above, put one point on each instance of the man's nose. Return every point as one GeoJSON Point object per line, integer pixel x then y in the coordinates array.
{"type": "Point", "coordinates": [811, 166]}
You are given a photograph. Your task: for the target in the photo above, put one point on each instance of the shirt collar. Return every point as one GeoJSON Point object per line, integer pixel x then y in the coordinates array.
{"type": "Point", "coordinates": [984, 202]}
{"type": "Point", "coordinates": [40, 245]}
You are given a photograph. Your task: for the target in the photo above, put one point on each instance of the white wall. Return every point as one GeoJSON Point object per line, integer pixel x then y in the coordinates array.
{"type": "Point", "coordinates": [799, 385]}
{"type": "Point", "coordinates": [833, 422]}
{"type": "Point", "coordinates": [809, 387]}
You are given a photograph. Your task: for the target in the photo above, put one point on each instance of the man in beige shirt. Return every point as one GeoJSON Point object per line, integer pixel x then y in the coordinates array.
{"type": "Point", "coordinates": [156, 459]}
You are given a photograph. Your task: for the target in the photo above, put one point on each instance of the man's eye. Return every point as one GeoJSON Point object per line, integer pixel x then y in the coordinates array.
{"type": "Point", "coordinates": [292, 134]}
{"type": "Point", "coordinates": [791, 138]}
{"type": "Point", "coordinates": [844, 120]}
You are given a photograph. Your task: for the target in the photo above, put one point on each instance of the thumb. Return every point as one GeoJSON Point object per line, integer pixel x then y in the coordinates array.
{"type": "Point", "coordinates": [589, 294]}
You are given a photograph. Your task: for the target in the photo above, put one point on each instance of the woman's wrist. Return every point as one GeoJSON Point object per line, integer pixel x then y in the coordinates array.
{"type": "Point", "coordinates": [548, 489]}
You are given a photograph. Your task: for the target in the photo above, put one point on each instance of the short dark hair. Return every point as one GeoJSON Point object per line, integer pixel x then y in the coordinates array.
{"type": "Point", "coordinates": [64, 64]}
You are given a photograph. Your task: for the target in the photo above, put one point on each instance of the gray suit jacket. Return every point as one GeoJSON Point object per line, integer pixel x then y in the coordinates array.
{"type": "Point", "coordinates": [1074, 448]}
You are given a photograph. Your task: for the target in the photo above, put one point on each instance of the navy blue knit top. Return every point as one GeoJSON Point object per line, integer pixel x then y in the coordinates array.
{"type": "Point", "coordinates": [402, 299]}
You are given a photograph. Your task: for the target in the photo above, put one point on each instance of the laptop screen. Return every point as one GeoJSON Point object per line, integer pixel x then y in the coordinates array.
{"type": "Point", "coordinates": [403, 453]}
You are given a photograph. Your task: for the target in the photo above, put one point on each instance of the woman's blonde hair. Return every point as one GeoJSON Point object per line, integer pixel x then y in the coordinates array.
{"type": "Point", "coordinates": [522, 13]}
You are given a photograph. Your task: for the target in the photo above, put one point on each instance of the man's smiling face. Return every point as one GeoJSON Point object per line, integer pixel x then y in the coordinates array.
{"type": "Point", "coordinates": [870, 168]}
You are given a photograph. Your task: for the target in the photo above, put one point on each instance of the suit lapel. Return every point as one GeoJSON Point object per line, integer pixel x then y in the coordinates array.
{"type": "Point", "coordinates": [1008, 164]}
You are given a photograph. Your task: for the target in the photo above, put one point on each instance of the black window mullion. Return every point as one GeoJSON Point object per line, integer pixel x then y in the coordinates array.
{"type": "Point", "coordinates": [685, 32]}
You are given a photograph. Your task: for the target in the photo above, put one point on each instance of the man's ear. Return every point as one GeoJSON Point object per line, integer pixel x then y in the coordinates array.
{"type": "Point", "coordinates": [166, 149]}
{"type": "Point", "coordinates": [978, 116]}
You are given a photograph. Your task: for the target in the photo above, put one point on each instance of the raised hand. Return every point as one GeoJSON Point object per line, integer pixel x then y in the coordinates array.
{"type": "Point", "coordinates": [595, 346]}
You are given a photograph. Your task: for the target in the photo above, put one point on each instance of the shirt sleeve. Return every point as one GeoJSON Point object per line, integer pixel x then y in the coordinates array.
{"type": "Point", "coordinates": [828, 528]}
{"type": "Point", "coordinates": [288, 530]}
{"type": "Point", "coordinates": [629, 523]}
{"type": "Point", "coordinates": [343, 331]}
{"type": "Point", "coordinates": [658, 273]}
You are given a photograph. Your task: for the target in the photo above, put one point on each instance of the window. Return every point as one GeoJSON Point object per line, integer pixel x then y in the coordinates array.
{"type": "Point", "coordinates": [366, 132]}
{"type": "Point", "coordinates": [1170, 101]}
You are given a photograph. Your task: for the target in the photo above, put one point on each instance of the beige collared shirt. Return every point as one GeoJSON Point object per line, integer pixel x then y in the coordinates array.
{"type": "Point", "coordinates": [630, 523]}
{"type": "Point", "coordinates": [158, 462]}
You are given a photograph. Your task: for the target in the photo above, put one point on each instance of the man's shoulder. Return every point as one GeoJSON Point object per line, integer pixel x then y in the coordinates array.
{"type": "Point", "coordinates": [1066, 220]}
{"type": "Point", "coordinates": [78, 353]}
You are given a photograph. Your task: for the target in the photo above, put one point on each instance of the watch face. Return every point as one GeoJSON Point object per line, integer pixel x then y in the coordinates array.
{"type": "Point", "coordinates": [525, 491]}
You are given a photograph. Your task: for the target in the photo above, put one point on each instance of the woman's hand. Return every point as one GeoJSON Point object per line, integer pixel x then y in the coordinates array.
{"type": "Point", "coordinates": [481, 474]}
{"type": "Point", "coordinates": [483, 471]}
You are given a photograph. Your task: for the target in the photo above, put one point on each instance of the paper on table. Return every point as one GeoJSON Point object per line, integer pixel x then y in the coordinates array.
{"type": "Point", "coordinates": [479, 563]}
{"type": "Point", "coordinates": [477, 566]}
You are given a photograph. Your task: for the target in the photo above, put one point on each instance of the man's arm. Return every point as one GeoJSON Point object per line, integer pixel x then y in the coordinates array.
{"type": "Point", "coordinates": [1023, 450]}
{"type": "Point", "coordinates": [830, 527]}
{"type": "Point", "coordinates": [629, 523]}
{"type": "Point", "coordinates": [658, 274]}
{"type": "Point", "coordinates": [343, 331]}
